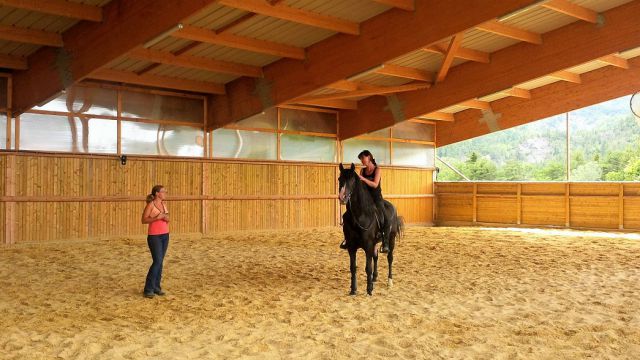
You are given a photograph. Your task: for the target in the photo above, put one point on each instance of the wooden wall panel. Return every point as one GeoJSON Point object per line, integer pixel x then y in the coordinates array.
{"type": "Point", "coordinates": [413, 210]}
{"type": "Point", "coordinates": [594, 211]}
{"type": "Point", "coordinates": [632, 189]}
{"type": "Point", "coordinates": [455, 208]}
{"type": "Point", "coordinates": [497, 210]}
{"type": "Point", "coordinates": [2, 219]}
{"type": "Point", "coordinates": [51, 176]}
{"type": "Point", "coordinates": [49, 221]}
{"type": "Point", "coordinates": [3, 169]}
{"type": "Point", "coordinates": [547, 210]}
{"type": "Point", "coordinates": [452, 187]}
{"type": "Point", "coordinates": [631, 211]}
{"type": "Point", "coordinates": [591, 189]}
{"type": "Point", "coordinates": [498, 188]}
{"type": "Point", "coordinates": [543, 188]}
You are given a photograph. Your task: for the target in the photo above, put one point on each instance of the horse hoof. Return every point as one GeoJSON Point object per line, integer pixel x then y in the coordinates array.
{"type": "Point", "coordinates": [390, 282]}
{"type": "Point", "coordinates": [370, 293]}
{"type": "Point", "coordinates": [374, 279]}
{"type": "Point", "coordinates": [352, 293]}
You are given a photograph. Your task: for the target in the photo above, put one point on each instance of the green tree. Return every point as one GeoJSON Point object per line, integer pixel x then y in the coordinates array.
{"type": "Point", "coordinates": [551, 171]}
{"type": "Point", "coordinates": [590, 171]}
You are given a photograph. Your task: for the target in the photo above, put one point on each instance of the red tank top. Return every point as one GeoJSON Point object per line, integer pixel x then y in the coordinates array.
{"type": "Point", "coordinates": [158, 227]}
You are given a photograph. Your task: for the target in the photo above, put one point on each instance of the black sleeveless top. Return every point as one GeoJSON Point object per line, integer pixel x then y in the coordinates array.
{"type": "Point", "coordinates": [377, 192]}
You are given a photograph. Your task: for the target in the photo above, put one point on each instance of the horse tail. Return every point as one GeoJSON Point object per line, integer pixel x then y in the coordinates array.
{"type": "Point", "coordinates": [400, 226]}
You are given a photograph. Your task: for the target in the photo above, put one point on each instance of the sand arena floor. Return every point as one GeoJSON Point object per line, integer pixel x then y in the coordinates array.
{"type": "Point", "coordinates": [458, 293]}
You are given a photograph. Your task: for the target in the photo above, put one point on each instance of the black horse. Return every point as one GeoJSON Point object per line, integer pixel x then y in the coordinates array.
{"type": "Point", "coordinates": [360, 226]}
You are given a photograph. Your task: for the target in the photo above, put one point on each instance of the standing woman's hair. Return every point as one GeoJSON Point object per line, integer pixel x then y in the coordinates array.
{"type": "Point", "coordinates": [367, 153]}
{"type": "Point", "coordinates": [156, 189]}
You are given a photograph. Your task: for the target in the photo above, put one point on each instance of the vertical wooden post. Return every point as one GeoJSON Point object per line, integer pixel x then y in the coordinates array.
{"type": "Point", "coordinates": [568, 149]}
{"type": "Point", "coordinates": [9, 112]}
{"type": "Point", "coordinates": [621, 207]}
{"type": "Point", "coordinates": [119, 122]}
{"type": "Point", "coordinates": [567, 205]}
{"type": "Point", "coordinates": [519, 200]}
{"type": "Point", "coordinates": [16, 131]}
{"type": "Point", "coordinates": [9, 207]}
{"type": "Point", "coordinates": [204, 192]}
{"type": "Point", "coordinates": [278, 135]}
{"type": "Point", "coordinates": [475, 203]}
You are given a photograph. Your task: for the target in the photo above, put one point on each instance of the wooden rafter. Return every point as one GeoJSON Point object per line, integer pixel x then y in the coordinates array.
{"type": "Point", "coordinates": [239, 42]}
{"type": "Point", "coordinates": [524, 62]}
{"type": "Point", "coordinates": [58, 7]}
{"type": "Point", "coordinates": [476, 104]}
{"type": "Point", "coordinates": [400, 4]}
{"type": "Point", "coordinates": [615, 60]}
{"type": "Point", "coordinates": [498, 28]}
{"type": "Point", "coordinates": [285, 12]}
{"type": "Point", "coordinates": [518, 92]}
{"type": "Point", "coordinates": [404, 72]}
{"type": "Point", "coordinates": [193, 62]}
{"type": "Point", "coordinates": [12, 62]}
{"type": "Point", "coordinates": [454, 45]}
{"type": "Point", "coordinates": [438, 115]}
{"type": "Point", "coordinates": [571, 9]}
{"type": "Point", "coordinates": [30, 36]}
{"type": "Point", "coordinates": [462, 53]}
{"type": "Point", "coordinates": [566, 76]}
{"type": "Point", "coordinates": [333, 103]}
{"type": "Point", "coordinates": [366, 92]}
{"type": "Point", "coordinates": [157, 81]}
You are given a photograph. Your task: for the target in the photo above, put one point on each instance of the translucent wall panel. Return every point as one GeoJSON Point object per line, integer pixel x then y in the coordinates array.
{"type": "Point", "coordinates": [414, 131]}
{"type": "Point", "coordinates": [383, 133]}
{"type": "Point", "coordinates": [3, 93]}
{"type": "Point", "coordinates": [162, 107]}
{"type": "Point", "coordinates": [300, 120]}
{"type": "Point", "coordinates": [229, 143]}
{"type": "Point", "coordinates": [307, 148]}
{"type": "Point", "coordinates": [413, 155]}
{"type": "Point", "coordinates": [85, 100]}
{"type": "Point", "coordinates": [156, 139]}
{"type": "Point", "coordinates": [60, 133]}
{"type": "Point", "coordinates": [352, 147]}
{"type": "Point", "coordinates": [265, 120]}
{"type": "Point", "coordinates": [3, 131]}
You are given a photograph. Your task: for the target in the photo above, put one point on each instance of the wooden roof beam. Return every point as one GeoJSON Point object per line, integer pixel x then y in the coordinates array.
{"type": "Point", "coordinates": [498, 28]}
{"type": "Point", "coordinates": [571, 9]}
{"type": "Point", "coordinates": [331, 103]}
{"type": "Point", "coordinates": [239, 42]}
{"type": "Point", "coordinates": [284, 12]}
{"type": "Point", "coordinates": [400, 4]}
{"type": "Point", "coordinates": [193, 62]}
{"type": "Point", "coordinates": [615, 60]}
{"type": "Point", "coordinates": [566, 76]}
{"type": "Point", "coordinates": [461, 53]}
{"type": "Point", "coordinates": [476, 104]}
{"type": "Point", "coordinates": [515, 64]}
{"type": "Point", "coordinates": [384, 37]}
{"type": "Point", "coordinates": [157, 81]}
{"type": "Point", "coordinates": [13, 62]}
{"type": "Point", "coordinates": [560, 97]}
{"type": "Point", "coordinates": [438, 115]}
{"type": "Point", "coordinates": [58, 7]}
{"type": "Point", "coordinates": [376, 90]}
{"type": "Point", "coordinates": [518, 92]}
{"type": "Point", "coordinates": [448, 57]}
{"type": "Point", "coordinates": [30, 36]}
{"type": "Point", "coordinates": [404, 72]}
{"type": "Point", "coordinates": [89, 46]}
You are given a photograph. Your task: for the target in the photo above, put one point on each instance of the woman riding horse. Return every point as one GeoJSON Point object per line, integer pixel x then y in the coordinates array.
{"type": "Point", "coordinates": [371, 176]}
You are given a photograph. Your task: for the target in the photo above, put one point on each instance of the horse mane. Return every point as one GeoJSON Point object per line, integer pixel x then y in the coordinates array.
{"type": "Point", "coordinates": [363, 198]}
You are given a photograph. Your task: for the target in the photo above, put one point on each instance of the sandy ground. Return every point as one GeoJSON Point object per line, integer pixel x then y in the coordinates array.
{"type": "Point", "coordinates": [458, 293]}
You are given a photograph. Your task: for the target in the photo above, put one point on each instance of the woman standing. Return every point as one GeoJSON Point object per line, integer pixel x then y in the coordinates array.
{"type": "Point", "coordinates": [157, 216]}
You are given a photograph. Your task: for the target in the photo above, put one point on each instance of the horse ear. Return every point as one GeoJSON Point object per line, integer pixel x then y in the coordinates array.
{"type": "Point", "coordinates": [353, 166]}
{"type": "Point", "coordinates": [341, 167]}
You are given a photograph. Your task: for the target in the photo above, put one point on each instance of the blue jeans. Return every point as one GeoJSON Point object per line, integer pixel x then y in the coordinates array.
{"type": "Point", "coordinates": [158, 246]}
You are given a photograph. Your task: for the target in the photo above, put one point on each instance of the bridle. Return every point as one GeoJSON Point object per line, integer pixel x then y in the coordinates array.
{"type": "Point", "coordinates": [348, 202]}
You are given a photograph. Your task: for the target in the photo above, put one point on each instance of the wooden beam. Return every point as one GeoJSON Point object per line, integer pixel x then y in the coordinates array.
{"type": "Point", "coordinates": [239, 42]}
{"type": "Point", "coordinates": [518, 92]}
{"type": "Point", "coordinates": [30, 36]}
{"type": "Point", "coordinates": [462, 53]}
{"type": "Point", "coordinates": [498, 28]}
{"type": "Point", "coordinates": [566, 76]}
{"type": "Point", "coordinates": [560, 97]}
{"type": "Point", "coordinates": [571, 9]}
{"type": "Point", "coordinates": [400, 4]}
{"type": "Point", "coordinates": [193, 62]}
{"type": "Point", "coordinates": [344, 85]}
{"type": "Point", "coordinates": [13, 62]}
{"type": "Point", "coordinates": [615, 60]}
{"type": "Point", "coordinates": [89, 46]}
{"type": "Point", "coordinates": [383, 38]}
{"type": "Point", "coordinates": [404, 72]}
{"type": "Point", "coordinates": [58, 7]}
{"type": "Point", "coordinates": [438, 115]}
{"type": "Point", "coordinates": [454, 45]}
{"type": "Point", "coordinates": [285, 12]}
{"type": "Point", "coordinates": [157, 81]}
{"type": "Point", "coordinates": [366, 92]}
{"type": "Point", "coordinates": [476, 104]}
{"type": "Point", "coordinates": [332, 103]}
{"type": "Point", "coordinates": [524, 61]}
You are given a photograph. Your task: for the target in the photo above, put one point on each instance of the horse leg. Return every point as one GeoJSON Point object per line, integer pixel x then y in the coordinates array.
{"type": "Point", "coordinates": [369, 272]}
{"type": "Point", "coordinates": [375, 265]}
{"type": "Point", "coordinates": [352, 267]}
{"type": "Point", "coordinates": [390, 260]}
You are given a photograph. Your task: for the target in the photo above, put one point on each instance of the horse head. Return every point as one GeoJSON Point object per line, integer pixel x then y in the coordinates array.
{"type": "Point", "coordinates": [347, 182]}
